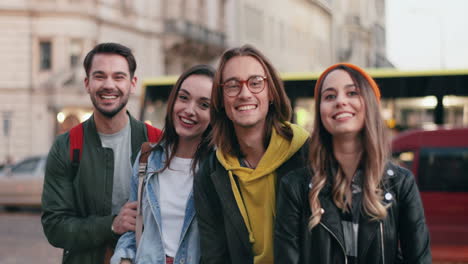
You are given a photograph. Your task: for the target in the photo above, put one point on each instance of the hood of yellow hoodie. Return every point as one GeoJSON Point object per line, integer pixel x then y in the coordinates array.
{"type": "Point", "coordinates": [279, 150]}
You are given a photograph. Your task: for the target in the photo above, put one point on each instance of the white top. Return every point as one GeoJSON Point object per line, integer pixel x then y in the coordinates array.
{"type": "Point", "coordinates": [175, 185]}
{"type": "Point", "coordinates": [121, 145]}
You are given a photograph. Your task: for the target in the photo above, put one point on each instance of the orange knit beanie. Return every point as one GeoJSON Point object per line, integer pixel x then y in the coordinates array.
{"type": "Point", "coordinates": [369, 79]}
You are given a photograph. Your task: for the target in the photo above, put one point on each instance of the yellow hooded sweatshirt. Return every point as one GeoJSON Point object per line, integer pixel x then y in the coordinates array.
{"type": "Point", "coordinates": [257, 195]}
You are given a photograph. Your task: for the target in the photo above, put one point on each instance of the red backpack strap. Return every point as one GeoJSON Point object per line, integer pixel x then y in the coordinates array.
{"type": "Point", "coordinates": [153, 133]}
{"type": "Point", "coordinates": [76, 144]}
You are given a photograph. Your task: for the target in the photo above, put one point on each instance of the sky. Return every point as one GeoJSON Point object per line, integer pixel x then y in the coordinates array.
{"type": "Point", "coordinates": [427, 34]}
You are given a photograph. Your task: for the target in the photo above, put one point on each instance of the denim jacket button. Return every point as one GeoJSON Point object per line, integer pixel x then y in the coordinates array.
{"type": "Point", "coordinates": [182, 261]}
{"type": "Point", "coordinates": [390, 172]}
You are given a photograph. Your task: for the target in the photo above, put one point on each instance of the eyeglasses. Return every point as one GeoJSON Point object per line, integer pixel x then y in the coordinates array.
{"type": "Point", "coordinates": [233, 87]}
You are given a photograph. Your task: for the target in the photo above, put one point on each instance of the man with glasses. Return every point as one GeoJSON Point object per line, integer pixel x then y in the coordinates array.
{"type": "Point", "coordinates": [256, 145]}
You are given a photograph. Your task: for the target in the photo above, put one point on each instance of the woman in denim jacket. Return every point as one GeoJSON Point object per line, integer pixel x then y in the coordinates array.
{"type": "Point", "coordinates": [170, 232]}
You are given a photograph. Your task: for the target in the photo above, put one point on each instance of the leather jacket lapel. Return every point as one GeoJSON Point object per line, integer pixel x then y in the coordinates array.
{"type": "Point", "coordinates": [331, 217]}
{"type": "Point", "coordinates": [221, 181]}
{"type": "Point", "coordinates": [368, 230]}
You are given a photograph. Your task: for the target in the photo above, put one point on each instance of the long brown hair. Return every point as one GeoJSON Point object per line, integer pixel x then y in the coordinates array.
{"type": "Point", "coordinates": [170, 137]}
{"type": "Point", "coordinates": [373, 160]}
{"type": "Point", "coordinates": [279, 111]}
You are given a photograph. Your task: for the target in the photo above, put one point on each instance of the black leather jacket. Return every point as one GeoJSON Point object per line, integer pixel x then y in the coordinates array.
{"type": "Point", "coordinates": [402, 237]}
{"type": "Point", "coordinates": [223, 235]}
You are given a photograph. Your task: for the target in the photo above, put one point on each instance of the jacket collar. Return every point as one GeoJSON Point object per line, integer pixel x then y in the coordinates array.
{"type": "Point", "coordinates": [222, 183]}
{"type": "Point", "coordinates": [331, 218]}
{"type": "Point", "coordinates": [138, 132]}
{"type": "Point", "coordinates": [220, 179]}
{"type": "Point", "coordinates": [156, 162]}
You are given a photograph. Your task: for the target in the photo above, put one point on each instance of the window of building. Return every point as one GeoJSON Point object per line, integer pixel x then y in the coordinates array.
{"type": "Point", "coordinates": [45, 55]}
{"type": "Point", "coordinates": [75, 52]}
{"type": "Point", "coordinates": [443, 169]}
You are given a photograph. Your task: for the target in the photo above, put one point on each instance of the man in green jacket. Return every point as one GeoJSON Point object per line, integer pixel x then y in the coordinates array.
{"type": "Point", "coordinates": [86, 210]}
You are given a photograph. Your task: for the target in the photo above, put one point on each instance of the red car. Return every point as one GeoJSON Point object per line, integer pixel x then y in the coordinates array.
{"type": "Point", "coordinates": [439, 160]}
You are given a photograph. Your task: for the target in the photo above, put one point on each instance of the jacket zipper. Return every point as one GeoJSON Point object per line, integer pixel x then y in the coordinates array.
{"type": "Point", "coordinates": [341, 245]}
{"type": "Point", "coordinates": [382, 241]}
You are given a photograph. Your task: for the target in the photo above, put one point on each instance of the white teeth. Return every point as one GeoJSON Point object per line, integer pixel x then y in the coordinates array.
{"type": "Point", "coordinates": [343, 115]}
{"type": "Point", "coordinates": [187, 121]}
{"type": "Point", "coordinates": [108, 96]}
{"type": "Point", "coordinates": [246, 107]}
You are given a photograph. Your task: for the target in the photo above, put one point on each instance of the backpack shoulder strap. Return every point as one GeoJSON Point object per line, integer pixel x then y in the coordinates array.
{"type": "Point", "coordinates": [153, 133]}
{"type": "Point", "coordinates": [76, 144]}
{"type": "Point", "coordinates": [146, 149]}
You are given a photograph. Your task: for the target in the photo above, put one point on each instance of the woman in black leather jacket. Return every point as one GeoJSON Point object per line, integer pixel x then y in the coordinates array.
{"type": "Point", "coordinates": [350, 205]}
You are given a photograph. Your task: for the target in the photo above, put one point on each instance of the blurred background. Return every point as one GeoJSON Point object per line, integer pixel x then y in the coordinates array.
{"type": "Point", "coordinates": [416, 50]}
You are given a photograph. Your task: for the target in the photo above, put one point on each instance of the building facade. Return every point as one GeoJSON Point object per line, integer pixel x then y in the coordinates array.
{"type": "Point", "coordinates": [295, 35]}
{"type": "Point", "coordinates": [193, 33]}
{"type": "Point", "coordinates": [44, 42]}
{"type": "Point", "coordinates": [359, 33]}
{"type": "Point", "coordinates": [43, 45]}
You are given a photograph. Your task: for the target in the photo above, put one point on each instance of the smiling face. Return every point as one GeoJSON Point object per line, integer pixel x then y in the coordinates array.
{"type": "Point", "coordinates": [191, 113]}
{"type": "Point", "coordinates": [246, 110]}
{"type": "Point", "coordinates": [109, 84]}
{"type": "Point", "coordinates": [342, 108]}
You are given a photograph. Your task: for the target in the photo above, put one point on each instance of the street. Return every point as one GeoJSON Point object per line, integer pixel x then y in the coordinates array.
{"type": "Point", "coordinates": [22, 239]}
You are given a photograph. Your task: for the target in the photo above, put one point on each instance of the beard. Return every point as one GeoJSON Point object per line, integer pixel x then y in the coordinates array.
{"type": "Point", "coordinates": [110, 113]}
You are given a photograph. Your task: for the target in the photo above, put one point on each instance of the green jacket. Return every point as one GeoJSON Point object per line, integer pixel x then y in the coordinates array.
{"type": "Point", "coordinates": [77, 209]}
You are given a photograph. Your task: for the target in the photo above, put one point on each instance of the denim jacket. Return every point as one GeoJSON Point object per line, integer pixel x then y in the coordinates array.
{"type": "Point", "coordinates": [151, 248]}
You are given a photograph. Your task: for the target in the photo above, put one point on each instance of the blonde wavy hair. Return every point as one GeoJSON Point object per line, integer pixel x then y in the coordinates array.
{"type": "Point", "coordinates": [373, 159]}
